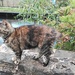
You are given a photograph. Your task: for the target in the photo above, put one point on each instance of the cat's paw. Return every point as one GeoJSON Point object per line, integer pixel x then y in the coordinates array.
{"type": "Point", "coordinates": [44, 60]}
{"type": "Point", "coordinates": [16, 60]}
{"type": "Point", "coordinates": [35, 57]}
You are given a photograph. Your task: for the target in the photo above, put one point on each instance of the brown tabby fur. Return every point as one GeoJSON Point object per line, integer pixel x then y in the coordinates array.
{"type": "Point", "coordinates": [28, 37]}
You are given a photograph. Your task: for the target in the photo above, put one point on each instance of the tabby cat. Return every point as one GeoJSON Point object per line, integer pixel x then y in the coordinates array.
{"type": "Point", "coordinates": [29, 37]}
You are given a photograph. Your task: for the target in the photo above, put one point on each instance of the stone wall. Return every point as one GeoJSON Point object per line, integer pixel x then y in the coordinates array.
{"type": "Point", "coordinates": [62, 63]}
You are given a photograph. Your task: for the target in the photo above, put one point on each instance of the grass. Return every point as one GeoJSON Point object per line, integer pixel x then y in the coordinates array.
{"type": "Point", "coordinates": [9, 9]}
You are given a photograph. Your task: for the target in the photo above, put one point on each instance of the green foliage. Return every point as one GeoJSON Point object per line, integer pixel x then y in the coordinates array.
{"type": "Point", "coordinates": [62, 3]}
{"type": "Point", "coordinates": [37, 10]}
{"type": "Point", "coordinates": [67, 27]}
{"type": "Point", "coordinates": [72, 3]}
{"type": "Point", "coordinates": [63, 11]}
{"type": "Point", "coordinates": [69, 45]}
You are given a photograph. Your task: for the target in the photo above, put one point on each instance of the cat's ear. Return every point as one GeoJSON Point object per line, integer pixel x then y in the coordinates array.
{"type": "Point", "coordinates": [8, 25]}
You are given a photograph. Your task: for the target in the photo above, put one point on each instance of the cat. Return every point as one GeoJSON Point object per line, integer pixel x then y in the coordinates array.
{"type": "Point", "coordinates": [30, 37]}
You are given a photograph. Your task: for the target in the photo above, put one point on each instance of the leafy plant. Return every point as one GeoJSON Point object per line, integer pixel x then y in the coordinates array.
{"type": "Point", "coordinates": [72, 3]}
{"type": "Point", "coordinates": [62, 3]}
{"type": "Point", "coordinates": [37, 10]}
{"type": "Point", "coordinates": [67, 27]}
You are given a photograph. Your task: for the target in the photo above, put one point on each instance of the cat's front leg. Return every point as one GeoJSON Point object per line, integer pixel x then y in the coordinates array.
{"type": "Point", "coordinates": [17, 60]}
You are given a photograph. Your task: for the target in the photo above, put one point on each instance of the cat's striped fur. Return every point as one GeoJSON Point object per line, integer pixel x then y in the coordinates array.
{"type": "Point", "coordinates": [29, 37]}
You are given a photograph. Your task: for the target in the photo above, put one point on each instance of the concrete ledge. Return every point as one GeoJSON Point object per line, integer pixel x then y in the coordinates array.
{"type": "Point", "coordinates": [62, 63]}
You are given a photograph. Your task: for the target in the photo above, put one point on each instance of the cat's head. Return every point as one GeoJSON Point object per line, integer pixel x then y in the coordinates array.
{"type": "Point", "coordinates": [5, 29]}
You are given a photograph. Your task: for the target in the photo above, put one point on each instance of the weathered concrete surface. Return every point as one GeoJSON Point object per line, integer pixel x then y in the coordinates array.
{"type": "Point", "coordinates": [62, 63]}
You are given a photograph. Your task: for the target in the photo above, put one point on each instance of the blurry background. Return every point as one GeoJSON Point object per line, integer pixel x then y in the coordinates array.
{"type": "Point", "coordinates": [59, 14]}
{"type": "Point", "coordinates": [9, 3]}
